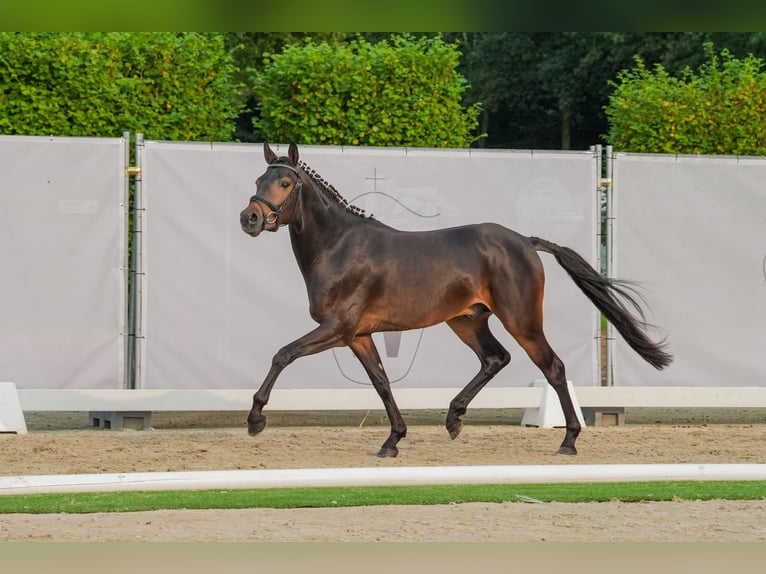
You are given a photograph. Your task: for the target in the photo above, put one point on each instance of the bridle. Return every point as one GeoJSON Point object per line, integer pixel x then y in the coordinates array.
{"type": "Point", "coordinates": [274, 212]}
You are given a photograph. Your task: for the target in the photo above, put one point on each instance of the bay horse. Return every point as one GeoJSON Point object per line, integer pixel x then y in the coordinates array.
{"type": "Point", "coordinates": [363, 276]}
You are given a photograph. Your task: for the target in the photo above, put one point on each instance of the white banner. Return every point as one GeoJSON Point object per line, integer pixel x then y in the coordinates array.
{"type": "Point", "coordinates": [62, 246]}
{"type": "Point", "coordinates": [692, 230]}
{"type": "Point", "coordinates": [218, 304]}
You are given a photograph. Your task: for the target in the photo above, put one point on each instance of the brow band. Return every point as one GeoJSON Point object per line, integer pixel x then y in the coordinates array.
{"type": "Point", "coordinates": [291, 168]}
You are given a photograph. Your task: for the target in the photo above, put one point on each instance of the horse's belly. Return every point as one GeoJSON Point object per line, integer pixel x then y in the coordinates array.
{"type": "Point", "coordinates": [415, 315]}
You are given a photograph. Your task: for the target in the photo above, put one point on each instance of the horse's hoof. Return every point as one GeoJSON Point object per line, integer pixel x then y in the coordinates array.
{"type": "Point", "coordinates": [388, 452]}
{"type": "Point", "coordinates": [255, 426]}
{"type": "Point", "coordinates": [454, 428]}
{"type": "Point", "coordinates": [567, 450]}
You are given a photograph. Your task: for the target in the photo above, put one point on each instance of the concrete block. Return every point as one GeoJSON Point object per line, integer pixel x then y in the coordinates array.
{"type": "Point", "coordinates": [604, 416]}
{"type": "Point", "coordinates": [119, 420]}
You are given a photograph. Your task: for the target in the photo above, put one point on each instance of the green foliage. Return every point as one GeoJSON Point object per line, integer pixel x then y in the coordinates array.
{"type": "Point", "coordinates": [720, 110]}
{"type": "Point", "coordinates": [175, 86]}
{"type": "Point", "coordinates": [247, 48]}
{"type": "Point", "coordinates": [405, 92]}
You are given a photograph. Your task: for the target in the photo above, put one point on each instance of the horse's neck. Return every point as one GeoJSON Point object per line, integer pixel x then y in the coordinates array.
{"type": "Point", "coordinates": [323, 222]}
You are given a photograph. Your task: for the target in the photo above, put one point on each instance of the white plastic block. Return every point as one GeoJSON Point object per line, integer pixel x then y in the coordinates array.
{"type": "Point", "coordinates": [549, 413]}
{"type": "Point", "coordinates": [11, 415]}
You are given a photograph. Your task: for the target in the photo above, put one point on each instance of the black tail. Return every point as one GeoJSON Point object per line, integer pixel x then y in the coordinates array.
{"type": "Point", "coordinates": [613, 298]}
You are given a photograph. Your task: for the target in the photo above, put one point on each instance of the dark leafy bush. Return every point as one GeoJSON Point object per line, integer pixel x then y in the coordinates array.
{"type": "Point", "coordinates": [719, 110]}
{"type": "Point", "coordinates": [175, 86]}
{"type": "Point", "coordinates": [405, 92]}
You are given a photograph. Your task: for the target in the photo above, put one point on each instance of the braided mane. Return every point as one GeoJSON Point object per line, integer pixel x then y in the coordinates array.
{"type": "Point", "coordinates": [331, 192]}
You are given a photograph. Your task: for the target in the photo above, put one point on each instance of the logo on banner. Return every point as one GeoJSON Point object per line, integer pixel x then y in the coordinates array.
{"type": "Point", "coordinates": [409, 209]}
{"type": "Point", "coordinates": [546, 208]}
{"type": "Point", "coordinates": [398, 352]}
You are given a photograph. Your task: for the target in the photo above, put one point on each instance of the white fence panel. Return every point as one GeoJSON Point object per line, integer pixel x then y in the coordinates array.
{"type": "Point", "coordinates": [217, 304]}
{"type": "Point", "coordinates": [693, 231]}
{"type": "Point", "coordinates": [62, 254]}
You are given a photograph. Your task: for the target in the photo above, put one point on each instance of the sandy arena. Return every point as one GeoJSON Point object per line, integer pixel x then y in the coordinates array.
{"type": "Point", "coordinates": [63, 443]}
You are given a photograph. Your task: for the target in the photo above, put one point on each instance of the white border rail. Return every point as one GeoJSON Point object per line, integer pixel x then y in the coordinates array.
{"type": "Point", "coordinates": [376, 476]}
{"type": "Point", "coordinates": [366, 398]}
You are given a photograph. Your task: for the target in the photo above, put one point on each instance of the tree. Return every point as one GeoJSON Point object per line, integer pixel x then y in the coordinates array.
{"type": "Point", "coordinates": [247, 50]}
{"type": "Point", "coordinates": [549, 90]}
{"type": "Point", "coordinates": [168, 85]}
{"type": "Point", "coordinates": [720, 109]}
{"type": "Point", "coordinates": [545, 90]}
{"type": "Point", "coordinates": [402, 92]}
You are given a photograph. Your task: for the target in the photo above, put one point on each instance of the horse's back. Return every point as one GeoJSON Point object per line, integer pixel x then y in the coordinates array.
{"type": "Point", "coordinates": [435, 275]}
{"type": "Point", "coordinates": [497, 247]}
{"type": "Point", "coordinates": [437, 255]}
{"type": "Point", "coordinates": [464, 238]}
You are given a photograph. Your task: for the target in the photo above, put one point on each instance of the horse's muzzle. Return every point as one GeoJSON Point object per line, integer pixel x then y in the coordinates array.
{"type": "Point", "coordinates": [251, 222]}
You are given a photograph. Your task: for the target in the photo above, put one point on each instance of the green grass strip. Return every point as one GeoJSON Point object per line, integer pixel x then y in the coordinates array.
{"type": "Point", "coordinates": [367, 496]}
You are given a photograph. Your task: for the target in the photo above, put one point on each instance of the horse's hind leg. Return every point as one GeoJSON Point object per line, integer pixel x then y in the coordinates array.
{"type": "Point", "coordinates": [476, 334]}
{"type": "Point", "coordinates": [550, 364]}
{"type": "Point", "coordinates": [521, 313]}
{"type": "Point", "coordinates": [365, 350]}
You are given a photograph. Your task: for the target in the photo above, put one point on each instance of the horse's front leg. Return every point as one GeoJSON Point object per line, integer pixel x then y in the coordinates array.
{"type": "Point", "coordinates": [324, 337]}
{"type": "Point", "coordinates": [364, 349]}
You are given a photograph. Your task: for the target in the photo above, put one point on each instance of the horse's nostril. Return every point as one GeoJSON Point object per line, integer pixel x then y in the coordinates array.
{"type": "Point", "coordinates": [249, 219]}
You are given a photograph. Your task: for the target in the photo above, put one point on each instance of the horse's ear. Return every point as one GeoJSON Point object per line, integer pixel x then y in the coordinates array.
{"type": "Point", "coordinates": [268, 153]}
{"type": "Point", "coordinates": [292, 154]}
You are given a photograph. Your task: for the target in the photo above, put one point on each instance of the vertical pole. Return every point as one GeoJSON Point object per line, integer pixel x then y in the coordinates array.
{"type": "Point", "coordinates": [598, 155]}
{"type": "Point", "coordinates": [127, 328]}
{"type": "Point", "coordinates": [609, 261]}
{"type": "Point", "coordinates": [136, 270]}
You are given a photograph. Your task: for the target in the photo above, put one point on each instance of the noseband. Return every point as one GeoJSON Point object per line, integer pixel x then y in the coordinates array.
{"type": "Point", "coordinates": [274, 211]}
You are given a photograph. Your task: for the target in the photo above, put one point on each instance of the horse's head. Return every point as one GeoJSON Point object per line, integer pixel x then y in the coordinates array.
{"type": "Point", "coordinates": [276, 194]}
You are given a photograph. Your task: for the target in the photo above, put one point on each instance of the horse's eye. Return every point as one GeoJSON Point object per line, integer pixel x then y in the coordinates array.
{"type": "Point", "coordinates": [285, 185]}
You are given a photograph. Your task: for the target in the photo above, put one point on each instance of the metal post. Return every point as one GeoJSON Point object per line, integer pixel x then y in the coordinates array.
{"type": "Point", "coordinates": [136, 271]}
{"type": "Point", "coordinates": [127, 330]}
{"type": "Point", "coordinates": [598, 155]}
{"type": "Point", "coordinates": [609, 260]}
